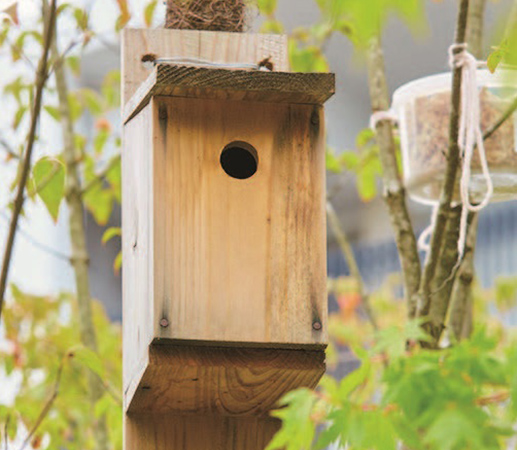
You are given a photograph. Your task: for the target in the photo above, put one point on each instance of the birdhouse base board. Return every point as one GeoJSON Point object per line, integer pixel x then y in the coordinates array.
{"type": "Point", "coordinates": [197, 432]}
{"type": "Point", "coordinates": [234, 381]}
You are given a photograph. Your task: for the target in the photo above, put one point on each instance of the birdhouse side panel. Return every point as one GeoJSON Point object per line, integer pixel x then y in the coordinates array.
{"type": "Point", "coordinates": [137, 249]}
{"type": "Point", "coordinates": [239, 222]}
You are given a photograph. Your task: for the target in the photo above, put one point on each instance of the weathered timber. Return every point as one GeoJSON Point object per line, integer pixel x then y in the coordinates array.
{"type": "Point", "coordinates": [206, 380]}
{"type": "Point", "coordinates": [229, 84]}
{"type": "Point", "coordinates": [206, 45]}
{"type": "Point", "coordinates": [211, 258]}
{"type": "Point", "coordinates": [174, 432]}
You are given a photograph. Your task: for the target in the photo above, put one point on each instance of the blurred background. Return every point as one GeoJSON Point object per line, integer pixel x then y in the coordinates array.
{"type": "Point", "coordinates": [42, 245]}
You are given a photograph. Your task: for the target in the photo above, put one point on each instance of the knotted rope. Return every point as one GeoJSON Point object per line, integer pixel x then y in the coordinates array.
{"type": "Point", "coordinates": [470, 136]}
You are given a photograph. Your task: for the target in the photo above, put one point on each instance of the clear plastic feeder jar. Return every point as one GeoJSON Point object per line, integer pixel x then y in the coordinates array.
{"type": "Point", "coordinates": [423, 108]}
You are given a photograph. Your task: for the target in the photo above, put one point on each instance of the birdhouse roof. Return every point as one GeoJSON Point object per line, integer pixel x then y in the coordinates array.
{"type": "Point", "coordinates": [229, 84]}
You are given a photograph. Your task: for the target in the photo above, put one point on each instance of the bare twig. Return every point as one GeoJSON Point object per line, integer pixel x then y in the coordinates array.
{"type": "Point", "coordinates": [460, 317]}
{"type": "Point", "coordinates": [434, 325]}
{"type": "Point", "coordinates": [29, 238]}
{"type": "Point", "coordinates": [394, 193]}
{"type": "Point", "coordinates": [47, 406]}
{"type": "Point", "coordinates": [41, 78]}
{"type": "Point", "coordinates": [8, 149]}
{"type": "Point", "coordinates": [348, 253]}
{"type": "Point", "coordinates": [504, 117]}
{"type": "Point", "coordinates": [475, 27]}
{"type": "Point", "coordinates": [6, 428]}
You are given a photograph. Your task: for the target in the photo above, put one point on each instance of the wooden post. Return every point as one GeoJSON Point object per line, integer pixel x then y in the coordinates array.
{"type": "Point", "coordinates": [224, 282]}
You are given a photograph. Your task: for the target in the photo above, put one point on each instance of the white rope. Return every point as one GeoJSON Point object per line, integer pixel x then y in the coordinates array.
{"type": "Point", "coordinates": [470, 136]}
{"type": "Point", "coordinates": [423, 239]}
{"type": "Point", "coordinates": [185, 61]}
{"type": "Point", "coordinates": [378, 116]}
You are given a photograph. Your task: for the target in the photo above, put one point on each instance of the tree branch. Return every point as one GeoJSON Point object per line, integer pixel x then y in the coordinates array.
{"type": "Point", "coordinates": [460, 318]}
{"type": "Point", "coordinates": [504, 117]}
{"type": "Point", "coordinates": [475, 27]}
{"type": "Point", "coordinates": [394, 193]}
{"type": "Point", "coordinates": [434, 325]}
{"type": "Point", "coordinates": [41, 78]}
{"type": "Point", "coordinates": [79, 255]}
{"type": "Point", "coordinates": [460, 296]}
{"type": "Point", "coordinates": [348, 253]}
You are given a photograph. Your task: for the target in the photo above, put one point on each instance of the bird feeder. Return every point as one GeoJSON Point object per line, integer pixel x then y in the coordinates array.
{"type": "Point", "coordinates": [423, 109]}
{"type": "Point", "coordinates": [224, 238]}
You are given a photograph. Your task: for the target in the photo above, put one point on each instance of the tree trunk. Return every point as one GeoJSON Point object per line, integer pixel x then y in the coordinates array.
{"type": "Point", "coordinates": [79, 255]}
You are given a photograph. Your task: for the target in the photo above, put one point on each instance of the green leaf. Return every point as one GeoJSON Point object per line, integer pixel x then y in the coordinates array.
{"type": "Point", "coordinates": [350, 160]}
{"type": "Point", "coordinates": [272, 26]}
{"type": "Point", "coordinates": [100, 203]}
{"type": "Point", "coordinates": [111, 88]}
{"type": "Point", "coordinates": [81, 18]}
{"type": "Point", "coordinates": [114, 178]}
{"type": "Point", "coordinates": [367, 183]}
{"type": "Point", "coordinates": [87, 358]}
{"type": "Point", "coordinates": [298, 429]}
{"type": "Point", "coordinates": [307, 59]}
{"type": "Point", "coordinates": [16, 88]}
{"type": "Point", "coordinates": [364, 137]}
{"type": "Point", "coordinates": [3, 35]}
{"type": "Point", "coordinates": [110, 233]}
{"type": "Point", "coordinates": [512, 363]}
{"type": "Point", "coordinates": [392, 340]}
{"type": "Point", "coordinates": [360, 20]}
{"type": "Point", "coordinates": [407, 432]}
{"type": "Point", "coordinates": [18, 116]}
{"type": "Point", "coordinates": [332, 162]}
{"type": "Point", "coordinates": [117, 264]}
{"type": "Point", "coordinates": [62, 8]}
{"type": "Point", "coordinates": [79, 142]}
{"type": "Point", "coordinates": [74, 62]}
{"type": "Point", "coordinates": [453, 430]}
{"type": "Point", "coordinates": [49, 178]}
{"type": "Point", "coordinates": [76, 109]}
{"type": "Point", "coordinates": [100, 140]}
{"type": "Point", "coordinates": [53, 112]}
{"type": "Point", "coordinates": [494, 59]}
{"type": "Point", "coordinates": [149, 12]}
{"type": "Point", "coordinates": [267, 7]}
{"type": "Point", "coordinates": [354, 379]}
{"type": "Point", "coordinates": [103, 405]}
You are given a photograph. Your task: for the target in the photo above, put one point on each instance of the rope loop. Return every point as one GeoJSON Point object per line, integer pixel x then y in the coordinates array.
{"type": "Point", "coordinates": [379, 116]}
{"type": "Point", "coordinates": [470, 136]}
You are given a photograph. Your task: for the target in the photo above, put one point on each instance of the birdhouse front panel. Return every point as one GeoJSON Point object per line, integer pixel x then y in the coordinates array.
{"type": "Point", "coordinates": [239, 222]}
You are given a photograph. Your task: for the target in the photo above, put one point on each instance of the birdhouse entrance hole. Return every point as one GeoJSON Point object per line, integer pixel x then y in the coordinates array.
{"type": "Point", "coordinates": [239, 160]}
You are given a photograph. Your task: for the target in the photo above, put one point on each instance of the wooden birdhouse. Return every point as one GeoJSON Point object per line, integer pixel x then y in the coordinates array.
{"type": "Point", "coordinates": [224, 230]}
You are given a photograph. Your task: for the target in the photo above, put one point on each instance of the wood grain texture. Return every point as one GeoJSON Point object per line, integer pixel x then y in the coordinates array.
{"type": "Point", "coordinates": [240, 261]}
{"type": "Point", "coordinates": [170, 432]}
{"type": "Point", "coordinates": [207, 45]}
{"type": "Point", "coordinates": [137, 247]}
{"type": "Point", "coordinates": [231, 381]}
{"type": "Point", "coordinates": [229, 84]}
{"type": "Point", "coordinates": [214, 259]}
